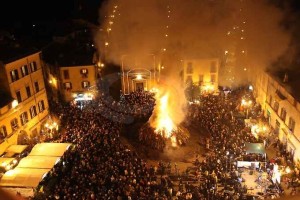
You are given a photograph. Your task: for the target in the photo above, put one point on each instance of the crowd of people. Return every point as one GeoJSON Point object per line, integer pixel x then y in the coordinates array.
{"type": "Point", "coordinates": [100, 166]}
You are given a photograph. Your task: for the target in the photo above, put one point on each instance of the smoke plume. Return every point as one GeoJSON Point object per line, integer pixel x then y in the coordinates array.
{"type": "Point", "coordinates": [152, 32]}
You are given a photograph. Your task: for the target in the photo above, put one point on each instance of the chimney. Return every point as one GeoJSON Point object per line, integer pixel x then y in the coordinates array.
{"type": "Point", "coordinates": [286, 77]}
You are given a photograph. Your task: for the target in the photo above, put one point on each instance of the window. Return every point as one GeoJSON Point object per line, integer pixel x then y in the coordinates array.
{"type": "Point", "coordinates": [28, 91]}
{"type": "Point", "coordinates": [24, 70]}
{"type": "Point", "coordinates": [41, 106]}
{"type": "Point", "coordinates": [270, 100]}
{"type": "Point", "coordinates": [36, 86]}
{"type": "Point", "coordinates": [24, 118]}
{"type": "Point", "coordinates": [33, 66]}
{"type": "Point", "coordinates": [14, 75]}
{"type": "Point", "coordinates": [189, 80]}
{"type": "Point", "coordinates": [212, 78]}
{"type": "Point", "coordinates": [19, 98]}
{"type": "Point", "coordinates": [66, 74]}
{"type": "Point", "coordinates": [200, 78]}
{"type": "Point", "coordinates": [14, 124]}
{"type": "Point", "coordinates": [276, 106]}
{"type": "Point", "coordinates": [213, 67]}
{"type": "Point", "coordinates": [292, 124]}
{"type": "Point", "coordinates": [283, 114]}
{"type": "Point", "coordinates": [68, 86]}
{"type": "Point", "coordinates": [189, 69]}
{"type": "Point", "coordinates": [32, 112]}
{"type": "Point", "coordinates": [84, 73]}
{"type": "Point", "coordinates": [85, 84]}
{"type": "Point", "coordinates": [3, 132]}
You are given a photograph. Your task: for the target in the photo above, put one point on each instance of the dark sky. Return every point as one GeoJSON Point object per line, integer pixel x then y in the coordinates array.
{"type": "Point", "coordinates": [16, 12]}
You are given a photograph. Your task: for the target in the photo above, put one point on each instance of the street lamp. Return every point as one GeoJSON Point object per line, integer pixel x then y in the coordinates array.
{"type": "Point", "coordinates": [51, 126]}
{"type": "Point", "coordinates": [246, 104]}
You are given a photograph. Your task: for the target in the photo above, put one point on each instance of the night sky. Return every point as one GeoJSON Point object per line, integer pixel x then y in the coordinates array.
{"type": "Point", "coordinates": [19, 14]}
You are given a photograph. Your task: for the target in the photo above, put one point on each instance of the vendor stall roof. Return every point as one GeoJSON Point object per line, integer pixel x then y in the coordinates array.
{"type": "Point", "coordinates": [16, 148]}
{"type": "Point", "coordinates": [23, 177]}
{"type": "Point", "coordinates": [49, 149]}
{"type": "Point", "coordinates": [39, 162]}
{"type": "Point", "coordinates": [257, 148]}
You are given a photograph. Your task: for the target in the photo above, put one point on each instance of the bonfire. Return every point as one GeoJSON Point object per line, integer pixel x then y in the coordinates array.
{"type": "Point", "coordinates": [162, 127]}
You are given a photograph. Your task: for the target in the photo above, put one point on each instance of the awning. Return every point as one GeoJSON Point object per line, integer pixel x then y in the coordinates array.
{"type": "Point", "coordinates": [38, 162]}
{"type": "Point", "coordinates": [16, 148]}
{"type": "Point", "coordinates": [49, 149]}
{"type": "Point", "coordinates": [23, 177]}
{"type": "Point", "coordinates": [257, 148]}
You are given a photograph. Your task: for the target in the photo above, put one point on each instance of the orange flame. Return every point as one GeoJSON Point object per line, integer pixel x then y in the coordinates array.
{"type": "Point", "coordinates": [163, 123]}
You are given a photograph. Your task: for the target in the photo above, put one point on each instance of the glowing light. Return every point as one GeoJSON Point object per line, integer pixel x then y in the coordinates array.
{"type": "Point", "coordinates": [250, 87]}
{"type": "Point", "coordinates": [14, 104]}
{"type": "Point", "coordinates": [106, 43]}
{"type": "Point", "coordinates": [287, 170]}
{"type": "Point", "coordinates": [139, 77]}
{"type": "Point", "coordinates": [164, 121]}
{"type": "Point", "coordinates": [226, 52]}
{"type": "Point", "coordinates": [245, 69]}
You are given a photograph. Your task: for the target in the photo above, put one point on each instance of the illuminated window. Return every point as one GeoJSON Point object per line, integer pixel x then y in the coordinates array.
{"type": "Point", "coordinates": [292, 124]}
{"type": "Point", "coordinates": [33, 66]}
{"type": "Point", "coordinates": [24, 70]}
{"type": "Point", "coordinates": [68, 86]}
{"type": "Point", "coordinates": [84, 73]}
{"type": "Point", "coordinates": [41, 106]}
{"type": "Point", "coordinates": [14, 75]}
{"type": "Point", "coordinates": [14, 124]}
{"type": "Point", "coordinates": [189, 69]}
{"type": "Point", "coordinates": [85, 84]}
{"type": "Point", "coordinates": [3, 132]}
{"type": "Point", "coordinates": [32, 111]}
{"type": "Point", "coordinates": [66, 74]}
{"type": "Point", "coordinates": [24, 118]}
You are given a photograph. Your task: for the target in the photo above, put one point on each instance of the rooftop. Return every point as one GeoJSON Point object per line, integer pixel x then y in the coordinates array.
{"type": "Point", "coordinates": [78, 51]}
{"type": "Point", "coordinates": [292, 82]}
{"type": "Point", "coordinates": [11, 50]}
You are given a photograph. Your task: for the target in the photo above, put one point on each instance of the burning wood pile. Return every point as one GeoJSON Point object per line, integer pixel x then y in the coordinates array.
{"type": "Point", "coordinates": [161, 131]}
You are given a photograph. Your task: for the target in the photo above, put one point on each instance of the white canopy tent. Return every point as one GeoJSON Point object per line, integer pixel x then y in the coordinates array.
{"type": "Point", "coordinates": [16, 148]}
{"type": "Point", "coordinates": [50, 149]}
{"type": "Point", "coordinates": [38, 162]}
{"type": "Point", "coordinates": [23, 177]}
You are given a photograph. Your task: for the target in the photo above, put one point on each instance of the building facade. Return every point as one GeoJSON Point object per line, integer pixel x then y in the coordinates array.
{"type": "Point", "coordinates": [202, 72]}
{"type": "Point", "coordinates": [277, 94]}
{"type": "Point", "coordinates": [21, 118]}
{"type": "Point", "coordinates": [76, 82]}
